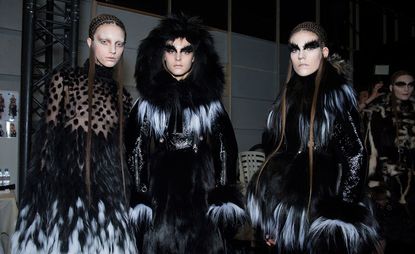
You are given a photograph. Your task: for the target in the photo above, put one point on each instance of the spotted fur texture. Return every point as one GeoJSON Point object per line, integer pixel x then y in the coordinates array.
{"type": "Point", "coordinates": [56, 215]}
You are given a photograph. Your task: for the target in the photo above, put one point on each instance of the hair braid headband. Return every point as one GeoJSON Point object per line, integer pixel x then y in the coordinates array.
{"type": "Point", "coordinates": [104, 19]}
{"type": "Point", "coordinates": [311, 27]}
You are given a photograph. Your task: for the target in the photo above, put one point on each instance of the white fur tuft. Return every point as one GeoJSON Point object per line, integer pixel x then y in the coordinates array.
{"type": "Point", "coordinates": [199, 119]}
{"type": "Point", "coordinates": [141, 214]}
{"type": "Point", "coordinates": [228, 213]}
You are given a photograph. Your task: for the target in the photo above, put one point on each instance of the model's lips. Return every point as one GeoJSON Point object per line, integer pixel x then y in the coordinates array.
{"type": "Point", "coordinates": [111, 58]}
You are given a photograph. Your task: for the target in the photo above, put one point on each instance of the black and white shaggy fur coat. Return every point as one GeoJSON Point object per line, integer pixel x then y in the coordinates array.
{"type": "Point", "coordinates": [181, 149]}
{"type": "Point", "coordinates": [278, 197]}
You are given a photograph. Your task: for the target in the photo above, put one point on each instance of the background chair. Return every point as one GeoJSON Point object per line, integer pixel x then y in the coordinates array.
{"type": "Point", "coordinates": [249, 162]}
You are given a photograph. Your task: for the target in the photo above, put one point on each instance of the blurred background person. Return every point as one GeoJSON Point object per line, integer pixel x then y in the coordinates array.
{"type": "Point", "coordinates": [390, 139]}
{"type": "Point", "coordinates": [366, 97]}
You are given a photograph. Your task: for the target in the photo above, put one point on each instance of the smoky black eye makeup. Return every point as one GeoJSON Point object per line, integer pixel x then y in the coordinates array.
{"type": "Point", "coordinates": [402, 84]}
{"type": "Point", "coordinates": [169, 48]}
{"type": "Point", "coordinates": [187, 49]}
{"type": "Point", "coordinates": [307, 46]}
{"type": "Point", "coordinates": [293, 47]}
{"type": "Point", "coordinates": [312, 45]}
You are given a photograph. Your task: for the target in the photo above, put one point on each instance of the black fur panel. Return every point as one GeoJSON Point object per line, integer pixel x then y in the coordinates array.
{"type": "Point", "coordinates": [179, 186]}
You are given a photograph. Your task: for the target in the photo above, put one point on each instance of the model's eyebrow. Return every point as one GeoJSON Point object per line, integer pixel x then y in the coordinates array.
{"type": "Point", "coordinates": [292, 47]}
{"type": "Point", "coordinates": [107, 38]}
{"type": "Point", "coordinates": [312, 45]}
{"type": "Point", "coordinates": [188, 48]}
{"type": "Point", "coordinates": [170, 47]}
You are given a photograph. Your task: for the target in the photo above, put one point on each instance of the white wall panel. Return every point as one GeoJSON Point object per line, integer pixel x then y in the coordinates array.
{"type": "Point", "coordinates": [253, 52]}
{"type": "Point", "coordinates": [220, 39]}
{"type": "Point", "coordinates": [11, 14]}
{"type": "Point", "coordinates": [253, 83]}
{"type": "Point", "coordinates": [10, 45]}
{"type": "Point", "coordinates": [249, 114]}
{"type": "Point", "coordinates": [247, 138]}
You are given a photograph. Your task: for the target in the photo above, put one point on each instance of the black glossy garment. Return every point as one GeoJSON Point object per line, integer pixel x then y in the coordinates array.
{"type": "Point", "coordinates": [334, 219]}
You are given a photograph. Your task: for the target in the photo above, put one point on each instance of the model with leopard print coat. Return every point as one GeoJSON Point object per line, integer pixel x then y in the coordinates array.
{"type": "Point", "coordinates": [390, 140]}
{"type": "Point", "coordinates": [73, 198]}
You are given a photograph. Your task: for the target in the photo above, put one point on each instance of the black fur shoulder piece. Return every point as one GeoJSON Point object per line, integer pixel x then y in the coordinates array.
{"type": "Point", "coordinates": [336, 85]}
{"type": "Point", "coordinates": [207, 76]}
{"type": "Point", "coordinates": [337, 100]}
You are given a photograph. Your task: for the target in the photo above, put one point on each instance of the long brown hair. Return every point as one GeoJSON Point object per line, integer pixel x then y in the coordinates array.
{"type": "Point", "coordinates": [95, 23]}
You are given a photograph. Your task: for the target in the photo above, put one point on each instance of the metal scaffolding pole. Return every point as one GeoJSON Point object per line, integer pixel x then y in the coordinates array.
{"type": "Point", "coordinates": [26, 90]}
{"type": "Point", "coordinates": [49, 42]}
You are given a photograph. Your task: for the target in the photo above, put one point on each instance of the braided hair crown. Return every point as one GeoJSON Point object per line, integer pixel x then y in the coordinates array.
{"type": "Point", "coordinates": [102, 19]}
{"type": "Point", "coordinates": [311, 27]}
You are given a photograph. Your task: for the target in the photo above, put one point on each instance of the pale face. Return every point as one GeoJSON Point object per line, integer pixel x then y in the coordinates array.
{"type": "Point", "coordinates": [178, 58]}
{"type": "Point", "coordinates": [306, 53]}
{"type": "Point", "coordinates": [108, 44]}
{"type": "Point", "coordinates": [403, 87]}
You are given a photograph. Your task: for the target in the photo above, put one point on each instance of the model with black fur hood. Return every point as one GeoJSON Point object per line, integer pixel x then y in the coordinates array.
{"type": "Point", "coordinates": [181, 145]}
{"type": "Point", "coordinates": [308, 196]}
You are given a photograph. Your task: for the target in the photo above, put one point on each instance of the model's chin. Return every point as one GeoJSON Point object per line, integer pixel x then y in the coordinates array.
{"type": "Point", "coordinates": [403, 97]}
{"type": "Point", "coordinates": [179, 75]}
{"type": "Point", "coordinates": [109, 64]}
{"type": "Point", "coordinates": [303, 71]}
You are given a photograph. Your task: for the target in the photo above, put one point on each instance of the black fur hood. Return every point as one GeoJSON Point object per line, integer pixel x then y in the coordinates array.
{"type": "Point", "coordinates": [203, 85]}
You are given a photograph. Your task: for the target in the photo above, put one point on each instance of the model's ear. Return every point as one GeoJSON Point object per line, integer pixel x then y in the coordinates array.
{"type": "Point", "coordinates": [390, 88]}
{"type": "Point", "coordinates": [89, 42]}
{"type": "Point", "coordinates": [325, 52]}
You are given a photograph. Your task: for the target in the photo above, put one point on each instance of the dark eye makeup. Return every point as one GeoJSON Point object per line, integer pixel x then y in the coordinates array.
{"type": "Point", "coordinates": [402, 84]}
{"type": "Point", "coordinates": [308, 46]}
{"type": "Point", "coordinates": [170, 49]}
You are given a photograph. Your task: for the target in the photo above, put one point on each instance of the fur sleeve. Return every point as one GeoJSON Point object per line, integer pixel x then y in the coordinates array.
{"type": "Point", "coordinates": [226, 201]}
